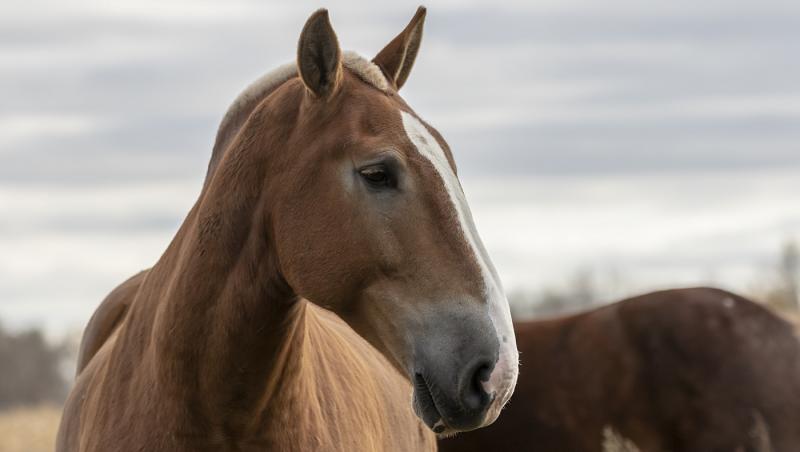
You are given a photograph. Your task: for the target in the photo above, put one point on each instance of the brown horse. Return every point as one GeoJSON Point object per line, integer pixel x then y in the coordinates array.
{"type": "Point", "coordinates": [691, 370]}
{"type": "Point", "coordinates": [325, 186]}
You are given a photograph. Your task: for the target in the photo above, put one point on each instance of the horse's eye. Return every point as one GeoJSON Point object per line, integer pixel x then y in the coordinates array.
{"type": "Point", "coordinates": [376, 175]}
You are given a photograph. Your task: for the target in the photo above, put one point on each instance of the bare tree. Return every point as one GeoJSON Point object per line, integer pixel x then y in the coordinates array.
{"type": "Point", "coordinates": [579, 293]}
{"type": "Point", "coordinates": [790, 273]}
{"type": "Point", "coordinates": [30, 370]}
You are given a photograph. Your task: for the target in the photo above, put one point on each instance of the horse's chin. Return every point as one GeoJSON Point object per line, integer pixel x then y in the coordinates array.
{"type": "Point", "coordinates": [448, 433]}
{"type": "Point", "coordinates": [425, 405]}
{"type": "Point", "coordinates": [426, 408]}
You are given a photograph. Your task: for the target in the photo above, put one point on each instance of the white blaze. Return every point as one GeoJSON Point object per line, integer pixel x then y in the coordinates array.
{"type": "Point", "coordinates": [504, 377]}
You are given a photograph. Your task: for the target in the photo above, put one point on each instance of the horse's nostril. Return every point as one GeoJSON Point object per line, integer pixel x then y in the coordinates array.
{"type": "Point", "coordinates": [473, 395]}
{"type": "Point", "coordinates": [482, 375]}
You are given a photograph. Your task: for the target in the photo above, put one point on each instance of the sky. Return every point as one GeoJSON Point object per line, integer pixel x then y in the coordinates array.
{"type": "Point", "coordinates": [653, 144]}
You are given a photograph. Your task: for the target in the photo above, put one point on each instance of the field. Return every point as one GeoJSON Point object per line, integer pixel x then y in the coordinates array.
{"type": "Point", "coordinates": [33, 429]}
{"type": "Point", "coordinates": [29, 429]}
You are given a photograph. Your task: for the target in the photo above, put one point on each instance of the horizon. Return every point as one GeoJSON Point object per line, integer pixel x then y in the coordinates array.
{"type": "Point", "coordinates": [650, 145]}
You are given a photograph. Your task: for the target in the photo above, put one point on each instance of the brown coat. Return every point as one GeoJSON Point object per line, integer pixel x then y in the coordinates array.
{"type": "Point", "coordinates": [692, 370]}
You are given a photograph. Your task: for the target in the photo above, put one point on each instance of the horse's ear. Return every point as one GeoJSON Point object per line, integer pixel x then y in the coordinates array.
{"type": "Point", "coordinates": [397, 58]}
{"type": "Point", "coordinates": [319, 59]}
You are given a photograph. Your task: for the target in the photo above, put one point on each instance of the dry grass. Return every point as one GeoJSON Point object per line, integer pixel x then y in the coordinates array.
{"type": "Point", "coordinates": [29, 429]}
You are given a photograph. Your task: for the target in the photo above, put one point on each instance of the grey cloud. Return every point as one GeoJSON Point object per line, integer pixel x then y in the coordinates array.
{"type": "Point", "coordinates": [161, 108]}
{"type": "Point", "coordinates": [83, 223]}
{"type": "Point", "coordinates": [488, 25]}
{"type": "Point", "coordinates": [566, 92]}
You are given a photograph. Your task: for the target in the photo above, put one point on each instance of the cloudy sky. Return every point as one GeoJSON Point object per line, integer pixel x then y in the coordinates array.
{"type": "Point", "coordinates": [651, 143]}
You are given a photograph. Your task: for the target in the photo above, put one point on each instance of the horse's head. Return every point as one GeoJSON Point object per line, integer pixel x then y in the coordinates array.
{"type": "Point", "coordinates": [368, 219]}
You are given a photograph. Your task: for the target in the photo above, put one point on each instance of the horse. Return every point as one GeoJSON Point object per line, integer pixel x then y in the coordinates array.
{"type": "Point", "coordinates": [327, 291]}
{"type": "Point", "coordinates": [691, 370]}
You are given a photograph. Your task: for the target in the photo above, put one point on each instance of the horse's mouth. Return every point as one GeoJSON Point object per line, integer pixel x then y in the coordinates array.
{"type": "Point", "coordinates": [425, 405]}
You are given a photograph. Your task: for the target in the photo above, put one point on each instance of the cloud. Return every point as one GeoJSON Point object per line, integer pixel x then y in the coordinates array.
{"type": "Point", "coordinates": [654, 139]}
{"type": "Point", "coordinates": [16, 129]}
{"type": "Point", "coordinates": [524, 78]}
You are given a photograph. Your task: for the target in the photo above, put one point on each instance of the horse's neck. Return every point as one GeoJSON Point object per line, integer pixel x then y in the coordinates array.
{"type": "Point", "coordinates": [213, 316]}
{"type": "Point", "coordinates": [227, 317]}
{"type": "Point", "coordinates": [269, 372]}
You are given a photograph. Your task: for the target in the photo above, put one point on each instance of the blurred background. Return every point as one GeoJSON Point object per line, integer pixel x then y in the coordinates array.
{"type": "Point", "coordinates": [606, 148]}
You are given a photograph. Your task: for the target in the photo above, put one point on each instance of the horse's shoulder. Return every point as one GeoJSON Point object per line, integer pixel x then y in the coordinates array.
{"type": "Point", "coordinates": [76, 416]}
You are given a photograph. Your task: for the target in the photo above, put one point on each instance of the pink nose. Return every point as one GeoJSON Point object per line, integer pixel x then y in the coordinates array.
{"type": "Point", "coordinates": [502, 380]}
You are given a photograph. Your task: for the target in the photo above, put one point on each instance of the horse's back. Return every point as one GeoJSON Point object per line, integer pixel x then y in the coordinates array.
{"type": "Point", "coordinates": [106, 318]}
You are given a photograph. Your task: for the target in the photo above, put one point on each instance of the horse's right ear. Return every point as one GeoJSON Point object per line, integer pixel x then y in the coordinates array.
{"type": "Point", "coordinates": [319, 59]}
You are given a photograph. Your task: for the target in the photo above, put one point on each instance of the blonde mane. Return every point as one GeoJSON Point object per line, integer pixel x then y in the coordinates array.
{"type": "Point", "coordinates": [247, 100]}
{"type": "Point", "coordinates": [365, 69]}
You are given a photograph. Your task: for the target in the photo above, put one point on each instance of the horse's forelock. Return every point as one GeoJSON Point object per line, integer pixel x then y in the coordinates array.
{"type": "Point", "coordinates": [244, 104]}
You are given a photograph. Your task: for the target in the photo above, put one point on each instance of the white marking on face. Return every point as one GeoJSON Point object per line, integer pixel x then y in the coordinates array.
{"type": "Point", "coordinates": [503, 379]}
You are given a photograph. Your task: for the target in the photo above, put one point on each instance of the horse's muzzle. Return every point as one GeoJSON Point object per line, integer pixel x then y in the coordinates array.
{"type": "Point", "coordinates": [462, 406]}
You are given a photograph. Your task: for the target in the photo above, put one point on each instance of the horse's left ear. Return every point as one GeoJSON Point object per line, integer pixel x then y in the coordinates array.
{"type": "Point", "coordinates": [397, 58]}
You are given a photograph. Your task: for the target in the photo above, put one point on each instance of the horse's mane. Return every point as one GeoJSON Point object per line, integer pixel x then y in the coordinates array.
{"type": "Point", "coordinates": [248, 100]}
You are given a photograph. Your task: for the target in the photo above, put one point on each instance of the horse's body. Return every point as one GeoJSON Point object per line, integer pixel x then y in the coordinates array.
{"type": "Point", "coordinates": [692, 370]}
{"type": "Point", "coordinates": [318, 405]}
{"type": "Point", "coordinates": [323, 186]}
